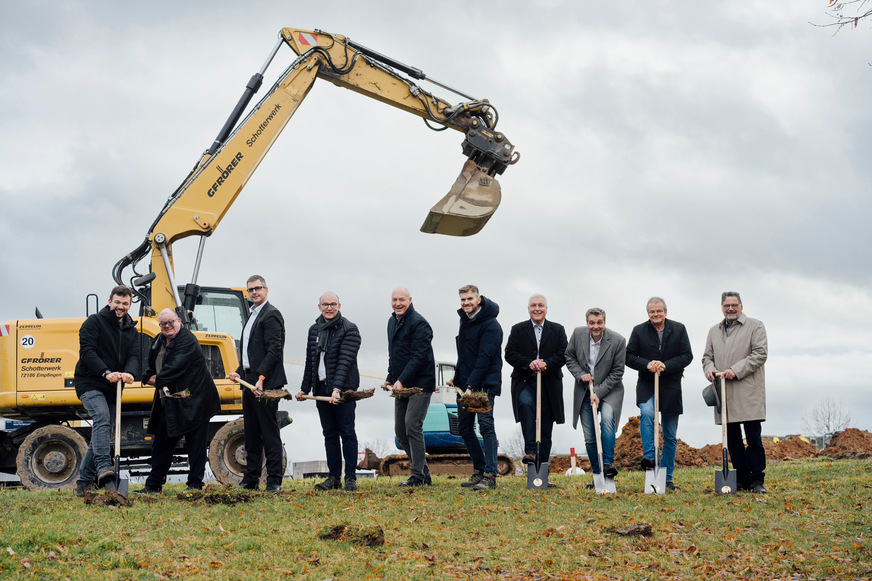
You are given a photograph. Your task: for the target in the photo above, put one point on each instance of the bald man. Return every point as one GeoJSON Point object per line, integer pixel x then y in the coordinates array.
{"type": "Point", "coordinates": [410, 364]}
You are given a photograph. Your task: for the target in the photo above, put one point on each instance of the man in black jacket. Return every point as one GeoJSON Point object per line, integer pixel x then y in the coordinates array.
{"type": "Point", "coordinates": [479, 368]}
{"type": "Point", "coordinates": [262, 364]}
{"type": "Point", "coordinates": [410, 364]}
{"type": "Point", "coordinates": [185, 400]}
{"type": "Point", "coordinates": [659, 345]}
{"type": "Point", "coordinates": [331, 368]}
{"type": "Point", "coordinates": [108, 353]}
{"type": "Point", "coordinates": [537, 345]}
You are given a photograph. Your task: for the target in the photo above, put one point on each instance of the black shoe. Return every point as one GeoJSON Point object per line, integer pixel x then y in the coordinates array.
{"type": "Point", "coordinates": [671, 487]}
{"type": "Point", "coordinates": [487, 482]}
{"type": "Point", "coordinates": [528, 459]}
{"type": "Point", "coordinates": [647, 464]}
{"type": "Point", "coordinates": [147, 490]}
{"type": "Point", "coordinates": [758, 488]}
{"type": "Point", "coordinates": [412, 482]}
{"type": "Point", "coordinates": [610, 471]}
{"type": "Point", "coordinates": [590, 485]}
{"type": "Point", "coordinates": [473, 480]}
{"type": "Point", "coordinates": [81, 490]}
{"type": "Point", "coordinates": [332, 483]}
{"type": "Point", "coordinates": [105, 475]}
{"type": "Point", "coordinates": [428, 480]}
{"type": "Point", "coordinates": [273, 488]}
{"type": "Point", "coordinates": [248, 485]}
{"type": "Point", "coordinates": [351, 485]}
{"type": "Point", "coordinates": [190, 487]}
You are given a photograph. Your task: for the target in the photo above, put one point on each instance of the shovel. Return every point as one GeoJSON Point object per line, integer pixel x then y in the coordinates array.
{"type": "Point", "coordinates": [725, 481]}
{"type": "Point", "coordinates": [601, 483]}
{"type": "Point", "coordinates": [537, 473]}
{"type": "Point", "coordinates": [655, 480]}
{"type": "Point", "coordinates": [120, 485]}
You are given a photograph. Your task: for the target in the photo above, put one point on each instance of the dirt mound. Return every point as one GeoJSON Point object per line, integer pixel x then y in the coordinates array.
{"type": "Point", "coordinates": [216, 494]}
{"type": "Point", "coordinates": [792, 448]}
{"type": "Point", "coordinates": [372, 536]}
{"type": "Point", "coordinates": [850, 443]}
{"type": "Point", "coordinates": [560, 464]}
{"type": "Point", "coordinates": [107, 498]}
{"type": "Point", "coordinates": [628, 449]}
{"type": "Point", "coordinates": [712, 454]}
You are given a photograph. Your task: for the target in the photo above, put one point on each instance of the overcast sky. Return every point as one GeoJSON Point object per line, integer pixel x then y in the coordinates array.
{"type": "Point", "coordinates": [666, 149]}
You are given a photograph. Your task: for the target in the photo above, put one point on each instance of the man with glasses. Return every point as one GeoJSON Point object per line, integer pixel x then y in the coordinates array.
{"type": "Point", "coordinates": [261, 364]}
{"type": "Point", "coordinates": [737, 348]}
{"type": "Point", "coordinates": [185, 399]}
{"type": "Point", "coordinates": [108, 353]}
{"type": "Point", "coordinates": [331, 368]}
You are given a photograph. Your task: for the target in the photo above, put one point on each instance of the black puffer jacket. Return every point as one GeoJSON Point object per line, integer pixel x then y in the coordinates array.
{"type": "Point", "coordinates": [106, 344]}
{"type": "Point", "coordinates": [479, 350]}
{"type": "Point", "coordinates": [184, 367]}
{"type": "Point", "coordinates": [340, 357]}
{"type": "Point", "coordinates": [410, 351]}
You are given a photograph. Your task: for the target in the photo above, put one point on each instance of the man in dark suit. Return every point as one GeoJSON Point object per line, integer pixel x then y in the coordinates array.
{"type": "Point", "coordinates": [261, 364]}
{"type": "Point", "coordinates": [659, 344]}
{"type": "Point", "coordinates": [597, 354]}
{"type": "Point", "coordinates": [537, 345]}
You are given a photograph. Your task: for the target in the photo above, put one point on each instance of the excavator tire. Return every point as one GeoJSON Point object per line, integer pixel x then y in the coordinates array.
{"type": "Point", "coordinates": [50, 458]}
{"type": "Point", "coordinates": [227, 454]}
{"type": "Point", "coordinates": [398, 464]}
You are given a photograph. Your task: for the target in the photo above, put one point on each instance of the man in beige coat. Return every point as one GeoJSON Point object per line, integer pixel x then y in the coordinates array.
{"type": "Point", "coordinates": [736, 347]}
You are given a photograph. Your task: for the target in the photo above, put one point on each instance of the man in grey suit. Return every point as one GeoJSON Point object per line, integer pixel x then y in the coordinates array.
{"type": "Point", "coordinates": [597, 354]}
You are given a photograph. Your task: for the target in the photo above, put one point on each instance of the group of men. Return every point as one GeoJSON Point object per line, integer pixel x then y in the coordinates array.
{"type": "Point", "coordinates": [537, 349]}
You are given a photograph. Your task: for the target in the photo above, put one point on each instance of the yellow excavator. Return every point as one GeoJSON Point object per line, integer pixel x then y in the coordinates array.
{"type": "Point", "coordinates": [46, 433]}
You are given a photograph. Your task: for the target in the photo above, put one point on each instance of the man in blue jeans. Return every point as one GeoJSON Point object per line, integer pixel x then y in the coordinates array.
{"type": "Point", "coordinates": [659, 345]}
{"type": "Point", "coordinates": [479, 366]}
{"type": "Point", "coordinates": [108, 353]}
{"type": "Point", "coordinates": [597, 354]}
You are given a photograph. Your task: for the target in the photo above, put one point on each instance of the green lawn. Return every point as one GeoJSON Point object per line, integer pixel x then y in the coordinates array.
{"type": "Point", "coordinates": [813, 524]}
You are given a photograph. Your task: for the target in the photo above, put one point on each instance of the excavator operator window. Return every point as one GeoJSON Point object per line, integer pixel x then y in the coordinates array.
{"type": "Point", "coordinates": [221, 310]}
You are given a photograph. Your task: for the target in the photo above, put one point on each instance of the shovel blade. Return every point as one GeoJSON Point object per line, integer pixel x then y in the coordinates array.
{"type": "Point", "coordinates": [120, 485]}
{"type": "Point", "coordinates": [537, 476]}
{"type": "Point", "coordinates": [725, 482]}
{"type": "Point", "coordinates": [655, 481]}
{"type": "Point", "coordinates": [603, 485]}
{"type": "Point", "coordinates": [467, 207]}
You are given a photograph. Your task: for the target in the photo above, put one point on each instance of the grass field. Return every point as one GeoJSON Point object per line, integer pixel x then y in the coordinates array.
{"type": "Point", "coordinates": [815, 523]}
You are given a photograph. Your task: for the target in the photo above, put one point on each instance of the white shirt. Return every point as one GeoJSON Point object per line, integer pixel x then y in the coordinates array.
{"type": "Point", "coordinates": [246, 333]}
{"type": "Point", "coordinates": [538, 331]}
{"type": "Point", "coordinates": [594, 352]}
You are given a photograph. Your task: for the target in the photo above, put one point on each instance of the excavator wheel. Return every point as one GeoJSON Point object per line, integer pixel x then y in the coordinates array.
{"type": "Point", "coordinates": [227, 454]}
{"type": "Point", "coordinates": [50, 458]}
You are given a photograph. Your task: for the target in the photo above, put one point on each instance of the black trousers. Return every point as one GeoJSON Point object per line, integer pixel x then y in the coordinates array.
{"type": "Point", "coordinates": [750, 462]}
{"type": "Point", "coordinates": [262, 437]}
{"type": "Point", "coordinates": [163, 446]}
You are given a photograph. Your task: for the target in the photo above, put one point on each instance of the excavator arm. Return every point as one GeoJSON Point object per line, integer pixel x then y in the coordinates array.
{"type": "Point", "coordinates": [204, 197]}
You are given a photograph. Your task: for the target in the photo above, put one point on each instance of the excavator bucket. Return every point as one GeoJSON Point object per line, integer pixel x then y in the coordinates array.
{"type": "Point", "coordinates": [467, 207]}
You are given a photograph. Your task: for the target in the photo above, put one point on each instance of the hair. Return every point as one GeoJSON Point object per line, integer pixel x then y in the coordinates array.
{"type": "Point", "coordinates": [469, 288]}
{"type": "Point", "coordinates": [255, 277]}
{"type": "Point", "coordinates": [121, 291]}
{"type": "Point", "coordinates": [656, 300]}
{"type": "Point", "coordinates": [168, 311]}
{"type": "Point", "coordinates": [321, 298]}
{"type": "Point", "coordinates": [537, 296]}
{"type": "Point", "coordinates": [596, 312]}
{"type": "Point", "coordinates": [726, 294]}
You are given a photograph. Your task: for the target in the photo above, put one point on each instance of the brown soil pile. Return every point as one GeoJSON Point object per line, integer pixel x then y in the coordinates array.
{"type": "Point", "coordinates": [628, 449]}
{"type": "Point", "coordinates": [372, 536]}
{"type": "Point", "coordinates": [274, 394]}
{"type": "Point", "coordinates": [352, 395]}
{"type": "Point", "coordinates": [370, 461]}
{"type": "Point", "coordinates": [560, 464]}
{"type": "Point", "coordinates": [405, 392]}
{"type": "Point", "coordinates": [850, 443]}
{"type": "Point", "coordinates": [216, 494]}
{"type": "Point", "coordinates": [792, 448]}
{"type": "Point", "coordinates": [109, 498]}
{"type": "Point", "coordinates": [475, 402]}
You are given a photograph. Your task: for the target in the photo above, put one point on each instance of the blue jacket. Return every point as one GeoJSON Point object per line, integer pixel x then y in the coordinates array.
{"type": "Point", "coordinates": [410, 351]}
{"type": "Point", "coordinates": [479, 350]}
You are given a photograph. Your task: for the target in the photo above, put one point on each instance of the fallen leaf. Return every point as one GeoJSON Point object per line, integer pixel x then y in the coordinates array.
{"type": "Point", "coordinates": [10, 551]}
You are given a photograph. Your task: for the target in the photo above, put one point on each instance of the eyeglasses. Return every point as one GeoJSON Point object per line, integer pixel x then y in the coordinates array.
{"type": "Point", "coordinates": [256, 289]}
{"type": "Point", "coordinates": [167, 324]}
{"type": "Point", "coordinates": [329, 305]}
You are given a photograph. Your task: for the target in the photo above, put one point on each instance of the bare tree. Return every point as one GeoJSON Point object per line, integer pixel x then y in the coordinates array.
{"type": "Point", "coordinates": [827, 417]}
{"type": "Point", "coordinates": [381, 448]}
{"type": "Point", "coordinates": [514, 444]}
{"type": "Point", "coordinates": [846, 13]}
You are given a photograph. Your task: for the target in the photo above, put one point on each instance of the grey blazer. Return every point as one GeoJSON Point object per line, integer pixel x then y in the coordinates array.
{"type": "Point", "coordinates": [608, 372]}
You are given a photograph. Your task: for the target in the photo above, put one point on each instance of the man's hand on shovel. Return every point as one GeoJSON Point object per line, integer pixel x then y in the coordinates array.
{"type": "Point", "coordinates": [255, 389]}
